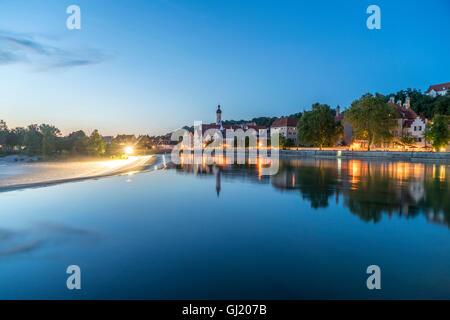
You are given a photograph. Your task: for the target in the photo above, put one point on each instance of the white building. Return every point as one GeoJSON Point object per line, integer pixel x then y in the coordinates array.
{"type": "Point", "coordinates": [260, 130]}
{"type": "Point", "coordinates": [410, 122]}
{"type": "Point", "coordinates": [286, 127]}
{"type": "Point", "coordinates": [438, 89]}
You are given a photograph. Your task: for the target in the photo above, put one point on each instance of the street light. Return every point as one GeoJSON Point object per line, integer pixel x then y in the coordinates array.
{"type": "Point", "coordinates": [129, 150]}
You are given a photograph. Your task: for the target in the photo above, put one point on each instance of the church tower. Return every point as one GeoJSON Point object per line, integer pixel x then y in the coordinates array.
{"type": "Point", "coordinates": [219, 115]}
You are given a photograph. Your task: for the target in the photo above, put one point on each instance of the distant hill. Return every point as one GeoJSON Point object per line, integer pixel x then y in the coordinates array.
{"type": "Point", "coordinates": [260, 121]}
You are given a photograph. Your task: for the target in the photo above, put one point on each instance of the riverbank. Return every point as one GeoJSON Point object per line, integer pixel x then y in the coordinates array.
{"type": "Point", "coordinates": [381, 155]}
{"type": "Point", "coordinates": [16, 174]}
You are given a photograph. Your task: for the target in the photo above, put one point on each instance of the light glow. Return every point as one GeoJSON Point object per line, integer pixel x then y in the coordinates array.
{"type": "Point", "coordinates": [129, 150]}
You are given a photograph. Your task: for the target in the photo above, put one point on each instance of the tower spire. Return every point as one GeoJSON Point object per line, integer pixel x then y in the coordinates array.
{"type": "Point", "coordinates": [218, 115]}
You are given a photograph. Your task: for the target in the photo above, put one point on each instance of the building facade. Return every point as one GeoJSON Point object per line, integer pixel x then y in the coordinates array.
{"type": "Point", "coordinates": [348, 130]}
{"type": "Point", "coordinates": [260, 130]}
{"type": "Point", "coordinates": [438, 89]}
{"type": "Point", "coordinates": [409, 122]}
{"type": "Point", "coordinates": [286, 127]}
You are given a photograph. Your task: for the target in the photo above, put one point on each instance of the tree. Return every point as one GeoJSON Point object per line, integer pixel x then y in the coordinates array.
{"type": "Point", "coordinates": [372, 119]}
{"type": "Point", "coordinates": [282, 143]}
{"type": "Point", "coordinates": [16, 138]}
{"type": "Point", "coordinates": [289, 143]}
{"type": "Point", "coordinates": [121, 141]}
{"type": "Point", "coordinates": [33, 140]}
{"type": "Point", "coordinates": [96, 146]}
{"type": "Point", "coordinates": [78, 142]}
{"type": "Point", "coordinates": [437, 132]}
{"type": "Point", "coordinates": [423, 104]}
{"type": "Point", "coordinates": [318, 127]}
{"type": "Point", "coordinates": [3, 134]}
{"type": "Point", "coordinates": [405, 139]}
{"type": "Point", "coordinates": [144, 142]}
{"type": "Point", "coordinates": [49, 139]}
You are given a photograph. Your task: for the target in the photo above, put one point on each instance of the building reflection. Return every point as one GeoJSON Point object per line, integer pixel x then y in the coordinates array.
{"type": "Point", "coordinates": [369, 189]}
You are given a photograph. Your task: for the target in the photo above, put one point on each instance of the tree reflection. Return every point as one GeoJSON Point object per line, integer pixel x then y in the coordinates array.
{"type": "Point", "coordinates": [368, 189]}
{"type": "Point", "coordinates": [316, 183]}
{"type": "Point", "coordinates": [436, 201]}
{"type": "Point", "coordinates": [376, 194]}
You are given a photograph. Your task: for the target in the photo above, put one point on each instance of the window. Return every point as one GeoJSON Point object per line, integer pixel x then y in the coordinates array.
{"type": "Point", "coordinates": [415, 128]}
{"type": "Point", "coordinates": [420, 128]}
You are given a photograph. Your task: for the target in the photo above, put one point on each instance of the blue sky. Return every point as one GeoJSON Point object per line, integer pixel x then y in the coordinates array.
{"type": "Point", "coordinates": [152, 66]}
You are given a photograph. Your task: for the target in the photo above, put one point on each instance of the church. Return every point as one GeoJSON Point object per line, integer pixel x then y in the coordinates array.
{"type": "Point", "coordinates": [222, 128]}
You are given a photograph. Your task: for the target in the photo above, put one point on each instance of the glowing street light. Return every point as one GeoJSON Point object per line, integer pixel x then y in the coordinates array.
{"type": "Point", "coordinates": [129, 150]}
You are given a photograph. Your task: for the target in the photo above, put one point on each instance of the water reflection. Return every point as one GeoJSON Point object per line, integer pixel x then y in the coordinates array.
{"type": "Point", "coordinates": [368, 189]}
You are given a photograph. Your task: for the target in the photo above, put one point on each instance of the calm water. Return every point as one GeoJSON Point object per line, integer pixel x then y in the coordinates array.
{"type": "Point", "coordinates": [226, 232]}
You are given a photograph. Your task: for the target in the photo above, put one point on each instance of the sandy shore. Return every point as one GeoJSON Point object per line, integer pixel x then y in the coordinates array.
{"type": "Point", "coordinates": [18, 174]}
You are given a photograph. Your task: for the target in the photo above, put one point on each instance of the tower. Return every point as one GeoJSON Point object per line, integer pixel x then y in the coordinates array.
{"type": "Point", "coordinates": [218, 115]}
{"type": "Point", "coordinates": [408, 102]}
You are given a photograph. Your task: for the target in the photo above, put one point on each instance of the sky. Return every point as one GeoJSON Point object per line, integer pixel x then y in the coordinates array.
{"type": "Point", "coordinates": [151, 66]}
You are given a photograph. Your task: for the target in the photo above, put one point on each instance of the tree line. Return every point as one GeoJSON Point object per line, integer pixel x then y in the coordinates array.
{"type": "Point", "coordinates": [259, 121]}
{"type": "Point", "coordinates": [374, 120]}
{"type": "Point", "coordinates": [47, 140]}
{"type": "Point", "coordinates": [423, 104]}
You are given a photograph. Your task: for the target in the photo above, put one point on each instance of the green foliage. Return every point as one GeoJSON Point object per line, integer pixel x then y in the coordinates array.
{"type": "Point", "coordinates": [372, 119]}
{"type": "Point", "coordinates": [33, 140]}
{"type": "Point", "coordinates": [46, 140]}
{"type": "Point", "coordinates": [259, 121]}
{"type": "Point", "coordinates": [422, 104]}
{"type": "Point", "coordinates": [144, 142]}
{"type": "Point", "coordinates": [3, 133]}
{"type": "Point", "coordinates": [315, 183]}
{"type": "Point", "coordinates": [78, 142]}
{"type": "Point", "coordinates": [190, 129]}
{"type": "Point", "coordinates": [318, 127]}
{"type": "Point", "coordinates": [290, 143]}
{"type": "Point", "coordinates": [15, 138]}
{"type": "Point", "coordinates": [3, 126]}
{"type": "Point", "coordinates": [406, 139]}
{"type": "Point", "coordinates": [263, 121]}
{"type": "Point", "coordinates": [96, 146]}
{"type": "Point", "coordinates": [297, 115]}
{"type": "Point", "coordinates": [282, 142]}
{"type": "Point", "coordinates": [122, 141]}
{"type": "Point", "coordinates": [438, 132]}
{"type": "Point", "coordinates": [49, 139]}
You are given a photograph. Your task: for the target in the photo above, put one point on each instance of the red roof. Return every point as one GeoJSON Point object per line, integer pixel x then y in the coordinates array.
{"type": "Point", "coordinates": [408, 123]}
{"type": "Point", "coordinates": [228, 127]}
{"type": "Point", "coordinates": [256, 127]}
{"type": "Point", "coordinates": [439, 87]}
{"type": "Point", "coordinates": [406, 113]}
{"type": "Point", "coordinates": [285, 122]}
{"type": "Point", "coordinates": [209, 126]}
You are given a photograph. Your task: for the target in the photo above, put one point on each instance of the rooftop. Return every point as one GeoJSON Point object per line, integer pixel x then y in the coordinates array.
{"type": "Point", "coordinates": [285, 122]}
{"type": "Point", "coordinates": [439, 87]}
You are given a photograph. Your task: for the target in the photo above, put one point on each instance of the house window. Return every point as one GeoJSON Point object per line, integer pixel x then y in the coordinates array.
{"type": "Point", "coordinates": [420, 128]}
{"type": "Point", "coordinates": [415, 128]}
{"type": "Point", "coordinates": [419, 139]}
